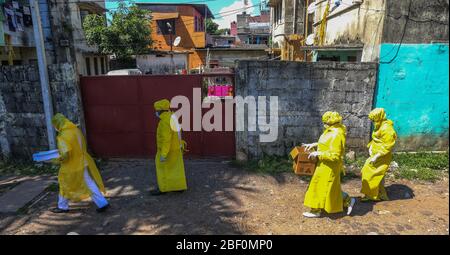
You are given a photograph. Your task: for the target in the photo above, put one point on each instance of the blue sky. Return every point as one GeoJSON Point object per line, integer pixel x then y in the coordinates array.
{"type": "Point", "coordinates": [224, 10]}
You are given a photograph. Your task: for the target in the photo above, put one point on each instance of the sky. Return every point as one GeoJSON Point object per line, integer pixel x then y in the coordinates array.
{"type": "Point", "coordinates": [224, 10]}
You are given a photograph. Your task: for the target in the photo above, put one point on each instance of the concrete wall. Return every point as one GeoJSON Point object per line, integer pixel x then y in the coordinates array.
{"type": "Point", "coordinates": [427, 21]}
{"type": "Point", "coordinates": [414, 89]}
{"type": "Point", "coordinates": [161, 65]}
{"type": "Point", "coordinates": [305, 91]}
{"type": "Point", "coordinates": [228, 57]}
{"type": "Point", "coordinates": [22, 121]}
{"type": "Point", "coordinates": [354, 24]}
{"type": "Point", "coordinates": [413, 75]}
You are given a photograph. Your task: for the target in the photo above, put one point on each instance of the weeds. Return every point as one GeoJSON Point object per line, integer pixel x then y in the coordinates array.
{"type": "Point", "coordinates": [18, 167]}
{"type": "Point", "coordinates": [411, 166]}
{"type": "Point", "coordinates": [436, 161]}
{"type": "Point", "coordinates": [30, 168]}
{"type": "Point", "coordinates": [421, 166]}
{"type": "Point", "coordinates": [267, 165]}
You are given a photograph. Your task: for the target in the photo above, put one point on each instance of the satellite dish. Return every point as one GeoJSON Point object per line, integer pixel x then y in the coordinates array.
{"type": "Point", "coordinates": [177, 41]}
{"type": "Point", "coordinates": [312, 8]}
{"type": "Point", "coordinates": [310, 40]}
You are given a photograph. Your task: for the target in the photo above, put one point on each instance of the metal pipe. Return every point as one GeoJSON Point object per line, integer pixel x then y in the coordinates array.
{"type": "Point", "coordinates": [294, 25]}
{"type": "Point", "coordinates": [43, 72]}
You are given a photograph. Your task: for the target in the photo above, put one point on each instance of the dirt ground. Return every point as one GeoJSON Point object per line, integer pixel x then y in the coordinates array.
{"type": "Point", "coordinates": [226, 200]}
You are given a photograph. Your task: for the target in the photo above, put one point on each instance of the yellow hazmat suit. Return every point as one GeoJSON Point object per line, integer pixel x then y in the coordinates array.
{"type": "Point", "coordinates": [74, 159]}
{"type": "Point", "coordinates": [324, 191]}
{"type": "Point", "coordinates": [380, 149]}
{"type": "Point", "coordinates": [169, 156]}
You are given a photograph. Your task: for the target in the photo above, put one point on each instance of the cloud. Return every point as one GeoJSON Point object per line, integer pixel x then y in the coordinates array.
{"type": "Point", "coordinates": [229, 12]}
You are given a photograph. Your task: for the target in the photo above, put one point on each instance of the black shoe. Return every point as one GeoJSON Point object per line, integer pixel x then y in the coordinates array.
{"type": "Point", "coordinates": [104, 208]}
{"type": "Point", "coordinates": [58, 210]}
{"type": "Point", "coordinates": [156, 193]}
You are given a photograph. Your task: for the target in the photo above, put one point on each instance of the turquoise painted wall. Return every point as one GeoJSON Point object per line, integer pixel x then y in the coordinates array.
{"type": "Point", "coordinates": [414, 88]}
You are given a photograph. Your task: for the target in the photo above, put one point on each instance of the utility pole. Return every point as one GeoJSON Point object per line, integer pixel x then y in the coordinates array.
{"type": "Point", "coordinates": [43, 72]}
{"type": "Point", "coordinates": [172, 69]}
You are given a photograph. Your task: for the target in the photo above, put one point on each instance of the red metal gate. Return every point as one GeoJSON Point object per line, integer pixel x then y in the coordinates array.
{"type": "Point", "coordinates": [121, 122]}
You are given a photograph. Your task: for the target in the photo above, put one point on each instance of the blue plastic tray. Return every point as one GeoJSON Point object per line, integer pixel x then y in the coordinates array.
{"type": "Point", "coordinates": [45, 155]}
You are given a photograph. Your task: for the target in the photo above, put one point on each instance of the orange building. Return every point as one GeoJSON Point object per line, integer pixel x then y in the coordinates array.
{"type": "Point", "coordinates": [186, 21]}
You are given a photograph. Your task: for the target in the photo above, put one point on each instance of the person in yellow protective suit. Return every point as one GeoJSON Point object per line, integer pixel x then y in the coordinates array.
{"type": "Point", "coordinates": [324, 191]}
{"type": "Point", "coordinates": [78, 175]}
{"type": "Point", "coordinates": [380, 151]}
{"type": "Point", "coordinates": [169, 156]}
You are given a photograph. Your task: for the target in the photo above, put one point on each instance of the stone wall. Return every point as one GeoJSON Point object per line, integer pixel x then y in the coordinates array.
{"type": "Point", "coordinates": [22, 120]}
{"type": "Point", "coordinates": [305, 91]}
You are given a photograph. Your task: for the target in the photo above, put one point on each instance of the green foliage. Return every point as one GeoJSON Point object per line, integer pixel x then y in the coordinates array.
{"type": "Point", "coordinates": [422, 174]}
{"type": "Point", "coordinates": [223, 31]}
{"type": "Point", "coordinates": [30, 168]}
{"type": "Point", "coordinates": [436, 161]}
{"type": "Point", "coordinates": [18, 167]}
{"type": "Point", "coordinates": [419, 166]}
{"type": "Point", "coordinates": [54, 187]}
{"type": "Point", "coordinates": [267, 165]}
{"type": "Point", "coordinates": [128, 32]}
{"type": "Point", "coordinates": [212, 28]}
{"type": "Point", "coordinates": [357, 163]}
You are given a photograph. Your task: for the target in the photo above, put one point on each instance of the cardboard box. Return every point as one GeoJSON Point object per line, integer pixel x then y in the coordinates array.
{"type": "Point", "coordinates": [303, 168]}
{"type": "Point", "coordinates": [302, 164]}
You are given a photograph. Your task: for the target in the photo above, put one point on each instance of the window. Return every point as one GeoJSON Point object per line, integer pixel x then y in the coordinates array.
{"type": "Point", "coordinates": [258, 40]}
{"type": "Point", "coordinates": [278, 12]}
{"type": "Point", "coordinates": [102, 63]}
{"type": "Point", "coordinates": [351, 58]}
{"type": "Point", "coordinates": [310, 23]}
{"type": "Point", "coordinates": [328, 58]}
{"type": "Point", "coordinates": [83, 14]}
{"type": "Point", "coordinates": [96, 66]}
{"type": "Point", "coordinates": [165, 26]}
{"type": "Point", "coordinates": [199, 24]}
{"type": "Point", "coordinates": [88, 66]}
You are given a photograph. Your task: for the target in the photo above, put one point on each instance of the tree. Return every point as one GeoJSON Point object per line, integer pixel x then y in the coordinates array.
{"type": "Point", "coordinates": [128, 32]}
{"type": "Point", "coordinates": [212, 27]}
{"type": "Point", "coordinates": [224, 31]}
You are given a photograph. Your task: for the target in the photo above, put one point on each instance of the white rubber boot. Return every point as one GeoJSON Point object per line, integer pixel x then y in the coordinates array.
{"type": "Point", "coordinates": [311, 215]}
{"type": "Point", "coordinates": [350, 207]}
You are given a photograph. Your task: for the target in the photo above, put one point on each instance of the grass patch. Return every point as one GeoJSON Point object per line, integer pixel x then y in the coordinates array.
{"type": "Point", "coordinates": [267, 165]}
{"type": "Point", "coordinates": [357, 163]}
{"type": "Point", "coordinates": [30, 168]}
{"type": "Point", "coordinates": [422, 174]}
{"type": "Point", "coordinates": [436, 161]}
{"type": "Point", "coordinates": [19, 167]}
{"type": "Point", "coordinates": [421, 166]}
